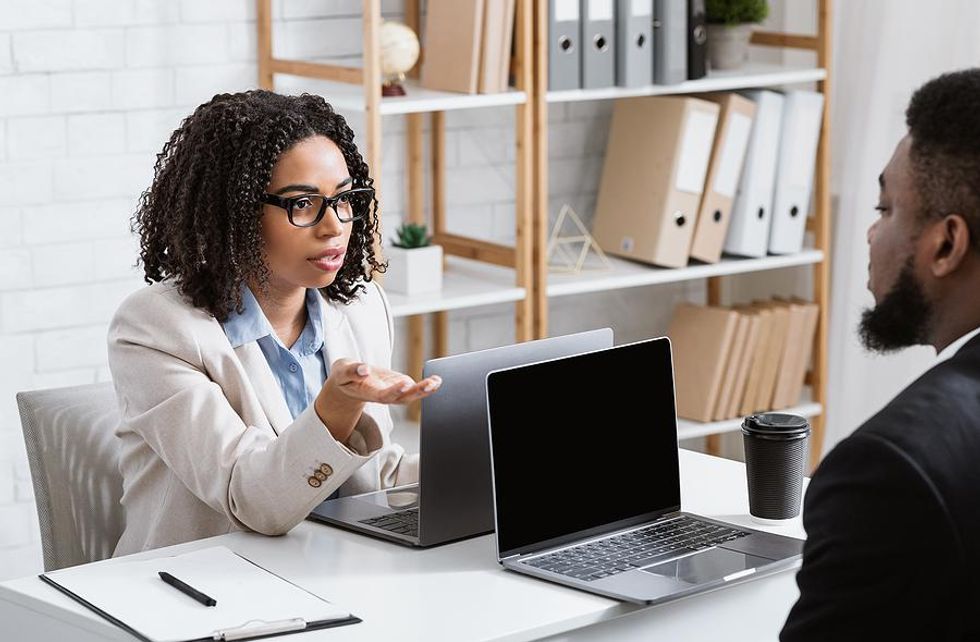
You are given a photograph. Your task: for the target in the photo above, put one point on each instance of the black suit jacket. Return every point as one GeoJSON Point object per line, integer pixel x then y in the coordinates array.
{"type": "Point", "coordinates": [893, 520]}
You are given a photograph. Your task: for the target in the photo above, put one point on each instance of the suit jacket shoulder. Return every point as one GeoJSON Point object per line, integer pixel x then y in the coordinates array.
{"type": "Point", "coordinates": [891, 518]}
{"type": "Point", "coordinates": [935, 422]}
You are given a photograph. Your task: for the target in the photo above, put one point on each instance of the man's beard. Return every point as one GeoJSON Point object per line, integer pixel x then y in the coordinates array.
{"type": "Point", "coordinates": [901, 319]}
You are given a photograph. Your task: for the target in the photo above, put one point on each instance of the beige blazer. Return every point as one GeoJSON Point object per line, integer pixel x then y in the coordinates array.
{"type": "Point", "coordinates": [208, 445]}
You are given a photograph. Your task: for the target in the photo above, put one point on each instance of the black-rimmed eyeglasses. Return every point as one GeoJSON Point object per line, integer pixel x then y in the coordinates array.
{"type": "Point", "coordinates": [307, 210]}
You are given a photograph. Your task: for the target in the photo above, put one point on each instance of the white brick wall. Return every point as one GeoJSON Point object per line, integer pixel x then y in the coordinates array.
{"type": "Point", "coordinates": [24, 94]}
{"type": "Point", "coordinates": [96, 134]}
{"type": "Point", "coordinates": [36, 137]}
{"type": "Point", "coordinates": [89, 92]}
{"type": "Point", "coordinates": [122, 13]}
{"type": "Point", "coordinates": [67, 50]}
{"type": "Point", "coordinates": [18, 15]}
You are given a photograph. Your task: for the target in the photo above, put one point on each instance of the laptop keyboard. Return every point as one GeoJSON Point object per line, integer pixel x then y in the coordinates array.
{"type": "Point", "coordinates": [655, 543]}
{"type": "Point", "coordinates": [404, 522]}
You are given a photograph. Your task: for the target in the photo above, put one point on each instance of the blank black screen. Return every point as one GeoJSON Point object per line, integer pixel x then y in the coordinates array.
{"type": "Point", "coordinates": [582, 442]}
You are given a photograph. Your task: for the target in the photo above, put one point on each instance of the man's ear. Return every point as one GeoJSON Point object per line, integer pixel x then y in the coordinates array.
{"type": "Point", "coordinates": [950, 243]}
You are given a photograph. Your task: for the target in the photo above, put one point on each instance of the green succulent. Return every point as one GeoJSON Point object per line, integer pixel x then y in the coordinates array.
{"type": "Point", "coordinates": [411, 235]}
{"type": "Point", "coordinates": [736, 12]}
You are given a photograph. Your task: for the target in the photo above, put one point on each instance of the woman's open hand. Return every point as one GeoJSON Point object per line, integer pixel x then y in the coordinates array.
{"type": "Point", "coordinates": [364, 382]}
{"type": "Point", "coordinates": [351, 384]}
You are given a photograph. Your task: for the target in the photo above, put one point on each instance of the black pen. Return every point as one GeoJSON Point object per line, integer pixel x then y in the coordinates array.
{"type": "Point", "coordinates": [187, 589]}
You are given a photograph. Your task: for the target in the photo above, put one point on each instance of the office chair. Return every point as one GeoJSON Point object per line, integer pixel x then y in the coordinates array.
{"type": "Point", "coordinates": [73, 455]}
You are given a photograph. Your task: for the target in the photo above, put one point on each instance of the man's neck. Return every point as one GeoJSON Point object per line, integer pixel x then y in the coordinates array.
{"type": "Point", "coordinates": [954, 323]}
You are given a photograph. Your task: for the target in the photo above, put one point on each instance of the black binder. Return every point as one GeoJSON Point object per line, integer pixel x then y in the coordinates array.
{"type": "Point", "coordinates": [697, 40]}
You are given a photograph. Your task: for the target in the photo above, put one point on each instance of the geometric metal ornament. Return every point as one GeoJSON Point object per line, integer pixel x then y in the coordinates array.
{"type": "Point", "coordinates": [569, 254]}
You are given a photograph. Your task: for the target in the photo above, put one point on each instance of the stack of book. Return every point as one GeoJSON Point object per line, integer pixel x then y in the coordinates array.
{"type": "Point", "coordinates": [467, 45]}
{"type": "Point", "coordinates": [735, 361]}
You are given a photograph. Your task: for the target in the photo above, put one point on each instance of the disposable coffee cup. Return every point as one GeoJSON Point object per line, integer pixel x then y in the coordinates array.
{"type": "Point", "coordinates": [775, 458]}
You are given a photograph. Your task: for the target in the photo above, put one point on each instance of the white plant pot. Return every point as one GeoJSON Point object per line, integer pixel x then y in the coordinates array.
{"type": "Point", "coordinates": [728, 47]}
{"type": "Point", "coordinates": [414, 271]}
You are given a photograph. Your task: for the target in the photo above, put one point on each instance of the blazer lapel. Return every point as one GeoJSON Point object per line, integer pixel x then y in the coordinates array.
{"type": "Point", "coordinates": [266, 387]}
{"type": "Point", "coordinates": [338, 342]}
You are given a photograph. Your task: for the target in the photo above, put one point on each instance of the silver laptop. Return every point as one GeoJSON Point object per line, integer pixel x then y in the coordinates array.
{"type": "Point", "coordinates": [453, 498]}
{"type": "Point", "coordinates": [603, 425]}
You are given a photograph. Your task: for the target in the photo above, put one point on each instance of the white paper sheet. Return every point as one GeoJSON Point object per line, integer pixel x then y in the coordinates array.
{"type": "Point", "coordinates": [134, 593]}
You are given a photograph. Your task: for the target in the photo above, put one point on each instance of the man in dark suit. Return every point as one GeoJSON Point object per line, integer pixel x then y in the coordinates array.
{"type": "Point", "coordinates": [893, 512]}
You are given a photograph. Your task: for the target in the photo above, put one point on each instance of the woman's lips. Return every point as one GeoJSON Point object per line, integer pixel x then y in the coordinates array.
{"type": "Point", "coordinates": [329, 261]}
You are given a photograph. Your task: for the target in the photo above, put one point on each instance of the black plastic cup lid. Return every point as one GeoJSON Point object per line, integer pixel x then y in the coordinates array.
{"type": "Point", "coordinates": [776, 425]}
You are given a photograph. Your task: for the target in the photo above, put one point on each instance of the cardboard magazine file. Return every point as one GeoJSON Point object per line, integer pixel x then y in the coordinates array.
{"type": "Point", "coordinates": [754, 381]}
{"type": "Point", "coordinates": [498, 25]}
{"type": "Point", "coordinates": [700, 338]}
{"type": "Point", "coordinates": [798, 376]}
{"type": "Point", "coordinates": [452, 44]}
{"type": "Point", "coordinates": [752, 340]}
{"type": "Point", "coordinates": [724, 171]}
{"type": "Point", "coordinates": [735, 357]}
{"type": "Point", "coordinates": [656, 161]}
{"type": "Point", "coordinates": [775, 347]}
{"type": "Point", "coordinates": [793, 354]}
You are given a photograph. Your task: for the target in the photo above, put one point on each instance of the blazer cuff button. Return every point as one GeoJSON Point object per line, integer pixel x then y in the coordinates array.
{"type": "Point", "coordinates": [326, 469]}
{"type": "Point", "coordinates": [314, 482]}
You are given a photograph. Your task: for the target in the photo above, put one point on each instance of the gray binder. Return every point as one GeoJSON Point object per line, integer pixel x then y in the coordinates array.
{"type": "Point", "coordinates": [634, 43]}
{"type": "Point", "coordinates": [564, 33]}
{"type": "Point", "coordinates": [669, 41]}
{"type": "Point", "coordinates": [598, 44]}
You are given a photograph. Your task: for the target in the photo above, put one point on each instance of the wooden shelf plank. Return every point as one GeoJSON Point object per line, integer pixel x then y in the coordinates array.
{"type": "Point", "coordinates": [751, 75]}
{"type": "Point", "coordinates": [466, 284]}
{"type": "Point", "coordinates": [350, 98]}
{"type": "Point", "coordinates": [470, 283]}
{"type": "Point", "coordinates": [693, 429]}
{"type": "Point", "coordinates": [627, 274]}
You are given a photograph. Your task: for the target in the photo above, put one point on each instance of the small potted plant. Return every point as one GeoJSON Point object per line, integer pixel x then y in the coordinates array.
{"type": "Point", "coordinates": [414, 263]}
{"type": "Point", "coordinates": [730, 24]}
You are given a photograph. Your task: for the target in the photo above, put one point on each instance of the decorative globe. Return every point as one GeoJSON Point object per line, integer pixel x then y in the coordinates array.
{"type": "Point", "coordinates": [399, 53]}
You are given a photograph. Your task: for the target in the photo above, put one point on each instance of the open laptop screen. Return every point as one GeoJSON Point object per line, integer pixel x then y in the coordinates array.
{"type": "Point", "coordinates": [583, 443]}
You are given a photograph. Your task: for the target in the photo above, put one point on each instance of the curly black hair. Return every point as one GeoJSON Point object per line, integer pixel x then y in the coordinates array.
{"type": "Point", "coordinates": [943, 119]}
{"type": "Point", "coordinates": [199, 222]}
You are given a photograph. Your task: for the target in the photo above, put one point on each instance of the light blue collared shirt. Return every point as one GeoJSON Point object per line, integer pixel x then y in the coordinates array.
{"type": "Point", "coordinates": [299, 369]}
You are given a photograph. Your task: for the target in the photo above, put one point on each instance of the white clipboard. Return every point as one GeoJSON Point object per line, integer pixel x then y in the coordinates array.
{"type": "Point", "coordinates": [251, 601]}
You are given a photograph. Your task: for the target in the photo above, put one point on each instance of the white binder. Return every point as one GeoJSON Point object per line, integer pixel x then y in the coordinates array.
{"type": "Point", "coordinates": [802, 116]}
{"type": "Point", "coordinates": [748, 233]}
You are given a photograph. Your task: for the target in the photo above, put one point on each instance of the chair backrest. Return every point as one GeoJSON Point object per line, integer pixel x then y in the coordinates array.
{"type": "Point", "coordinates": [74, 458]}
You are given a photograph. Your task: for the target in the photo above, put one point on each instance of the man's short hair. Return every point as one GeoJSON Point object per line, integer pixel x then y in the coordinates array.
{"type": "Point", "coordinates": [943, 119]}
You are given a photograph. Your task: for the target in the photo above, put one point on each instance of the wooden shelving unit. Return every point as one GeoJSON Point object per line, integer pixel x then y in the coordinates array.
{"type": "Point", "coordinates": [477, 272]}
{"type": "Point", "coordinates": [628, 274]}
{"type": "Point", "coordinates": [481, 273]}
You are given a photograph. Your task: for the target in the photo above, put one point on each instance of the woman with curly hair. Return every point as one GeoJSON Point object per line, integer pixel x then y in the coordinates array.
{"type": "Point", "coordinates": [253, 374]}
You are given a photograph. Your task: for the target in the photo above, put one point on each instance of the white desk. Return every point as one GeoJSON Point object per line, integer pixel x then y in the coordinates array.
{"type": "Point", "coordinates": [458, 591]}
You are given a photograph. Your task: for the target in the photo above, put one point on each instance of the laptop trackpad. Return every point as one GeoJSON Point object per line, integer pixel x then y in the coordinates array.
{"type": "Point", "coordinates": [712, 564]}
